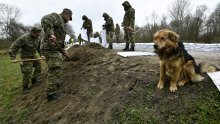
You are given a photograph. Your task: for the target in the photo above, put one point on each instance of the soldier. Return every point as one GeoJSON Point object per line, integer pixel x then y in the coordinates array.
{"type": "Point", "coordinates": [79, 39]}
{"type": "Point", "coordinates": [109, 26]}
{"type": "Point", "coordinates": [128, 24]}
{"type": "Point", "coordinates": [117, 33]}
{"type": "Point", "coordinates": [98, 35]}
{"type": "Point", "coordinates": [87, 24]}
{"type": "Point", "coordinates": [28, 44]}
{"type": "Point", "coordinates": [54, 31]}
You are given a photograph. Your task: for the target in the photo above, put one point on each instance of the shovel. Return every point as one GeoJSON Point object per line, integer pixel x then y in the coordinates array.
{"type": "Point", "coordinates": [27, 60]}
{"type": "Point", "coordinates": [61, 50]}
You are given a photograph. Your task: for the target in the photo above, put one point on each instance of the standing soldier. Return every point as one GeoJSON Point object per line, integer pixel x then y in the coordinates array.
{"type": "Point", "coordinates": [117, 33]}
{"type": "Point", "coordinates": [54, 31]}
{"type": "Point", "coordinates": [87, 24]}
{"type": "Point", "coordinates": [128, 24]}
{"type": "Point", "coordinates": [79, 39]}
{"type": "Point", "coordinates": [109, 26]}
{"type": "Point", "coordinates": [28, 44]}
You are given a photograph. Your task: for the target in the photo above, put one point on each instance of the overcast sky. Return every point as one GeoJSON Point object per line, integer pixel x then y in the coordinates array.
{"type": "Point", "coordinates": [34, 10]}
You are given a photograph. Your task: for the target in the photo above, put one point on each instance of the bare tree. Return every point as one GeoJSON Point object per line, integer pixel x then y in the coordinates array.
{"type": "Point", "coordinates": [178, 11]}
{"type": "Point", "coordinates": [7, 14]}
{"type": "Point", "coordinates": [152, 26]}
{"type": "Point", "coordinates": [187, 31]}
{"type": "Point", "coordinates": [163, 23]}
{"type": "Point", "coordinates": [16, 29]}
{"type": "Point", "coordinates": [198, 21]}
{"type": "Point", "coordinates": [213, 24]}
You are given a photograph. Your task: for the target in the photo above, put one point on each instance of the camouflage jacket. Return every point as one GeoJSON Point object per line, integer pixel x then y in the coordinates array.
{"type": "Point", "coordinates": [117, 30]}
{"type": "Point", "coordinates": [129, 18]}
{"type": "Point", "coordinates": [109, 24]}
{"type": "Point", "coordinates": [27, 45]}
{"type": "Point", "coordinates": [99, 36]}
{"type": "Point", "coordinates": [53, 24]}
{"type": "Point", "coordinates": [87, 24]}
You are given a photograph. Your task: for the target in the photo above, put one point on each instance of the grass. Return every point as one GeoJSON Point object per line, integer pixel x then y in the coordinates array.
{"type": "Point", "coordinates": [205, 109]}
{"type": "Point", "coordinates": [134, 116]}
{"type": "Point", "coordinates": [203, 113]}
{"type": "Point", "coordinates": [10, 86]}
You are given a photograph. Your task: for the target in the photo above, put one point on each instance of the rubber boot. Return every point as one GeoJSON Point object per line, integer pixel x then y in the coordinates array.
{"type": "Point", "coordinates": [132, 48]}
{"type": "Point", "coordinates": [126, 47]}
{"type": "Point", "coordinates": [110, 46]}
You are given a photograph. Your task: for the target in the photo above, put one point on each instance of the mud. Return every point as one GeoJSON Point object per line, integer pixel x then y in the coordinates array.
{"type": "Point", "coordinates": [101, 86]}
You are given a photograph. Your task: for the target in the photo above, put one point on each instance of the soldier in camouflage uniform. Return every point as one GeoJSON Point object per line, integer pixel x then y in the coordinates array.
{"type": "Point", "coordinates": [87, 24]}
{"type": "Point", "coordinates": [109, 26]}
{"type": "Point", "coordinates": [54, 31]}
{"type": "Point", "coordinates": [98, 35]}
{"type": "Point", "coordinates": [128, 24]}
{"type": "Point", "coordinates": [79, 39]}
{"type": "Point", "coordinates": [117, 33]}
{"type": "Point", "coordinates": [28, 45]}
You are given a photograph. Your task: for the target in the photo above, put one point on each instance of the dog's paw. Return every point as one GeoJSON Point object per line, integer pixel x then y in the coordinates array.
{"type": "Point", "coordinates": [181, 83]}
{"type": "Point", "coordinates": [173, 88]}
{"type": "Point", "coordinates": [160, 85]}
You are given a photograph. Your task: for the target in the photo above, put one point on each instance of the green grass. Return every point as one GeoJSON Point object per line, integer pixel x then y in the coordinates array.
{"type": "Point", "coordinates": [134, 116]}
{"type": "Point", "coordinates": [201, 114]}
{"type": "Point", "coordinates": [205, 109]}
{"type": "Point", "coordinates": [10, 86]}
{"type": "Point", "coordinates": [204, 112]}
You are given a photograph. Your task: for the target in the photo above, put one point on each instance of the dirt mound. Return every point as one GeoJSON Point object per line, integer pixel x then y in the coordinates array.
{"type": "Point", "coordinates": [102, 87]}
{"type": "Point", "coordinates": [85, 53]}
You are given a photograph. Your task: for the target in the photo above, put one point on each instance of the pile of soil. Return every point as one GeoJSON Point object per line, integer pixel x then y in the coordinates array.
{"type": "Point", "coordinates": [103, 87]}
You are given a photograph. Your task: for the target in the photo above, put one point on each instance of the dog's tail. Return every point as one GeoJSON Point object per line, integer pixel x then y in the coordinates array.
{"type": "Point", "coordinates": [195, 75]}
{"type": "Point", "coordinates": [193, 71]}
{"type": "Point", "coordinates": [206, 67]}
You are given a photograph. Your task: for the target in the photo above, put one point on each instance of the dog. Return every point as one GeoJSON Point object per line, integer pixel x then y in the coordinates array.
{"type": "Point", "coordinates": [176, 62]}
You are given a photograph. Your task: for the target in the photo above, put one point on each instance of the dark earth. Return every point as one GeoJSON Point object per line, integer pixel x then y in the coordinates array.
{"type": "Point", "coordinates": [102, 87]}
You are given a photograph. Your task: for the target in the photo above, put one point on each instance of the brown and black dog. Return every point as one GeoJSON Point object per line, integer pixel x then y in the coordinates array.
{"type": "Point", "coordinates": [176, 62]}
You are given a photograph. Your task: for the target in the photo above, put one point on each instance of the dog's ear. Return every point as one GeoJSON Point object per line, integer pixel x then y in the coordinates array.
{"type": "Point", "coordinates": [173, 36]}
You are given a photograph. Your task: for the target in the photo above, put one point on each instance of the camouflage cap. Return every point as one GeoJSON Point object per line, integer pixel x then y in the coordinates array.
{"type": "Point", "coordinates": [68, 11]}
{"type": "Point", "coordinates": [36, 29]}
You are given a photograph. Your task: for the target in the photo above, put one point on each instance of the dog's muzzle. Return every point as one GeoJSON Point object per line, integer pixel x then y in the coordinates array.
{"type": "Point", "coordinates": [155, 46]}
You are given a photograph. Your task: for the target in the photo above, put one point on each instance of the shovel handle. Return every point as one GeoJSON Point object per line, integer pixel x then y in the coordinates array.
{"type": "Point", "coordinates": [27, 60]}
{"type": "Point", "coordinates": [61, 50]}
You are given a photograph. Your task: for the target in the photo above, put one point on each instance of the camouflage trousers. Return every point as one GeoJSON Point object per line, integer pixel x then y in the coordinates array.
{"type": "Point", "coordinates": [54, 63]}
{"type": "Point", "coordinates": [129, 38]}
{"type": "Point", "coordinates": [117, 38]}
{"type": "Point", "coordinates": [27, 68]}
{"type": "Point", "coordinates": [89, 35]}
{"type": "Point", "coordinates": [109, 37]}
